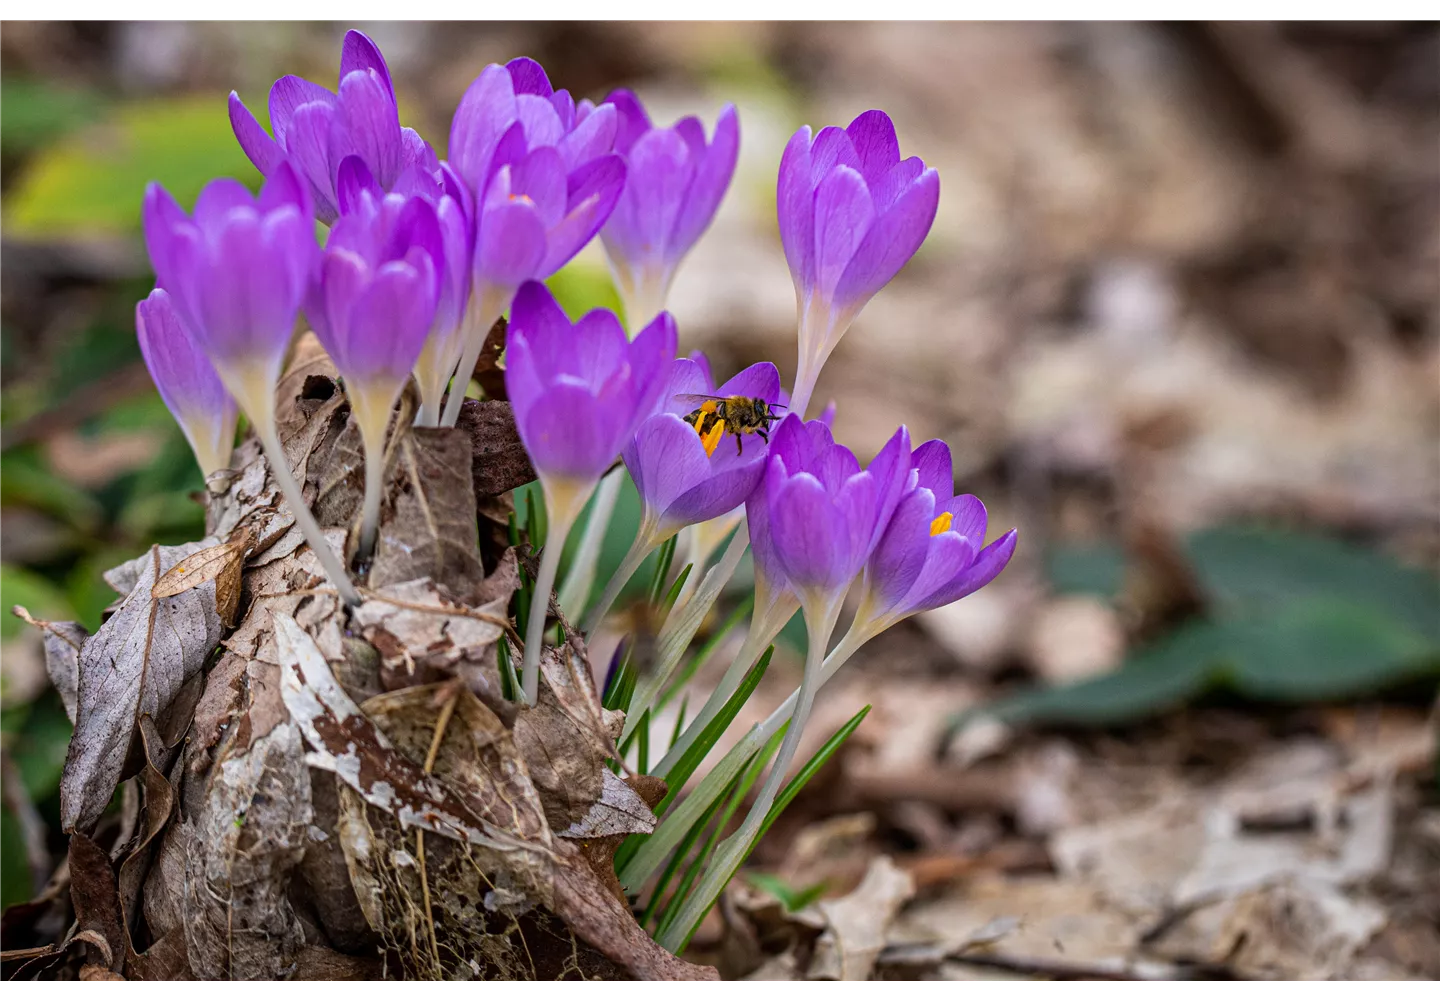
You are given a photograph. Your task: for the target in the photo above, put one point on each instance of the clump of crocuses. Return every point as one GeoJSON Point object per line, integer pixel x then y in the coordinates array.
{"type": "Point", "coordinates": [422, 256]}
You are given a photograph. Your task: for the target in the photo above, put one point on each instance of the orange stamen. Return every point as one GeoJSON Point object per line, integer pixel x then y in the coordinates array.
{"type": "Point", "coordinates": [941, 523]}
{"type": "Point", "coordinates": [711, 439]}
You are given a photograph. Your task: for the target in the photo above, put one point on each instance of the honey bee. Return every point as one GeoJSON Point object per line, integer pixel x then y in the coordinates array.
{"type": "Point", "coordinates": [737, 414]}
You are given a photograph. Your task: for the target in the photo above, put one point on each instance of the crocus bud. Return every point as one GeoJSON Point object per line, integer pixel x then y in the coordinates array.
{"type": "Point", "coordinates": [187, 382]}
{"type": "Point", "coordinates": [852, 213]}
{"type": "Point", "coordinates": [673, 186]}
{"type": "Point", "coordinates": [317, 128]}
{"type": "Point", "coordinates": [236, 270]}
{"type": "Point", "coordinates": [543, 180]}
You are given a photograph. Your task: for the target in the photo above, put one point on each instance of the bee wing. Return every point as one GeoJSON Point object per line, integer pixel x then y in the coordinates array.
{"type": "Point", "coordinates": [696, 398]}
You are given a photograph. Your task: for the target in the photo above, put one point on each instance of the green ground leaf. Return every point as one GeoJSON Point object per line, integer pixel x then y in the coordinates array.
{"type": "Point", "coordinates": [93, 180]}
{"type": "Point", "coordinates": [1249, 569]}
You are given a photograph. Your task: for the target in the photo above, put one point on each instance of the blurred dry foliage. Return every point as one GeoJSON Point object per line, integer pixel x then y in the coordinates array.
{"type": "Point", "coordinates": [1182, 275]}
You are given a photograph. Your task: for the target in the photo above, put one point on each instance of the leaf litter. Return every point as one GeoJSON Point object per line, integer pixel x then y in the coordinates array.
{"type": "Point", "coordinates": [332, 793]}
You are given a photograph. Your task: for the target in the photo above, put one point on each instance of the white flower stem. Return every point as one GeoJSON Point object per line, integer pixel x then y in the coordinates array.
{"type": "Point", "coordinates": [309, 527]}
{"type": "Point", "coordinates": [540, 605]}
{"type": "Point", "coordinates": [486, 306]}
{"type": "Point", "coordinates": [639, 549]}
{"type": "Point", "coordinates": [373, 440]}
{"type": "Point", "coordinates": [575, 593]}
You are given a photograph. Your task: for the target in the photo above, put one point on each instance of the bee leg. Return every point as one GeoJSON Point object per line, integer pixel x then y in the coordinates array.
{"type": "Point", "coordinates": [739, 444]}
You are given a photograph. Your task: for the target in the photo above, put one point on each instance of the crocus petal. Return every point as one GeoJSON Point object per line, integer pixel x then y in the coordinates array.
{"type": "Point", "coordinates": [416, 152]}
{"type": "Point", "coordinates": [832, 148]}
{"type": "Point", "coordinates": [795, 208]}
{"type": "Point", "coordinates": [284, 188]}
{"type": "Point", "coordinates": [949, 558]}
{"type": "Point", "coordinates": [219, 198]}
{"type": "Point", "coordinates": [368, 124]}
{"type": "Point", "coordinates": [529, 76]}
{"type": "Point", "coordinates": [569, 433]}
{"type": "Point", "coordinates": [595, 349]}
{"type": "Point", "coordinates": [899, 556]}
{"type": "Point", "coordinates": [876, 146]}
{"type": "Point", "coordinates": [593, 137]}
{"type": "Point", "coordinates": [986, 566]}
{"type": "Point", "coordinates": [936, 473]}
{"type": "Point", "coordinates": [482, 118]}
{"type": "Point", "coordinates": [354, 180]}
{"type": "Point", "coordinates": [390, 320]}
{"type": "Point", "coordinates": [891, 242]}
{"type": "Point", "coordinates": [650, 353]}
{"type": "Point", "coordinates": [287, 95]}
{"type": "Point", "coordinates": [843, 217]}
{"type": "Point", "coordinates": [187, 382]}
{"type": "Point", "coordinates": [803, 523]}
{"type": "Point", "coordinates": [668, 460]}
{"type": "Point", "coordinates": [510, 247]}
{"type": "Point", "coordinates": [358, 52]}
{"type": "Point", "coordinates": [720, 492]}
{"type": "Point", "coordinates": [262, 150]}
{"type": "Point", "coordinates": [713, 173]}
{"type": "Point", "coordinates": [593, 191]}
{"type": "Point", "coordinates": [539, 119]}
{"type": "Point", "coordinates": [759, 381]}
{"type": "Point", "coordinates": [632, 121]}
{"type": "Point", "coordinates": [968, 518]}
{"type": "Point", "coordinates": [540, 177]}
{"type": "Point", "coordinates": [658, 172]}
{"type": "Point", "coordinates": [308, 143]}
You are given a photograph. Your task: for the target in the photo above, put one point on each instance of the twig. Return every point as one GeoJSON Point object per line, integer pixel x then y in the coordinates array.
{"type": "Point", "coordinates": [446, 710]}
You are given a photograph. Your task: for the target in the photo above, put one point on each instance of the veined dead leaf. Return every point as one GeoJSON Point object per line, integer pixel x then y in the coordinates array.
{"type": "Point", "coordinates": [221, 563]}
{"type": "Point", "coordinates": [63, 641]}
{"type": "Point", "coordinates": [345, 741]}
{"type": "Point", "coordinates": [135, 665]}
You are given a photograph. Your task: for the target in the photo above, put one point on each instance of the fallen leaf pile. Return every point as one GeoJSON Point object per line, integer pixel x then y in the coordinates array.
{"type": "Point", "coordinates": [264, 784]}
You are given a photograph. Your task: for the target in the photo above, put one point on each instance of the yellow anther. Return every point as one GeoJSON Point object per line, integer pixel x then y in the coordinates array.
{"type": "Point", "coordinates": [941, 523]}
{"type": "Point", "coordinates": [711, 439]}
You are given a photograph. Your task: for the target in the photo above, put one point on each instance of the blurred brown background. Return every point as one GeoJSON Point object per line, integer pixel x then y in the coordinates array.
{"type": "Point", "coordinates": [1183, 277]}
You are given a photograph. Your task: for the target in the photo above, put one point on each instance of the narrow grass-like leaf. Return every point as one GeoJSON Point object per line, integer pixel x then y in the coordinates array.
{"type": "Point", "coordinates": [509, 683]}
{"type": "Point", "coordinates": [743, 785]}
{"type": "Point", "coordinates": [679, 720]}
{"type": "Point", "coordinates": [792, 899]}
{"type": "Point", "coordinates": [674, 593]}
{"type": "Point", "coordinates": [642, 750]}
{"type": "Point", "coordinates": [677, 859]}
{"type": "Point", "coordinates": [787, 794]}
{"type": "Point", "coordinates": [641, 854]}
{"type": "Point", "coordinates": [739, 616]}
{"type": "Point", "coordinates": [676, 777]}
{"type": "Point", "coordinates": [662, 570]}
{"type": "Point", "coordinates": [802, 777]}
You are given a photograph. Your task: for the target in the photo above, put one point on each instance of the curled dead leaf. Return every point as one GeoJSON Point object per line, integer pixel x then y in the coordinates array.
{"type": "Point", "coordinates": [135, 665]}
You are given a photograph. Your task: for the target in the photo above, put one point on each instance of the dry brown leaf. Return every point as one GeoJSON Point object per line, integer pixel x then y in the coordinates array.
{"type": "Point", "coordinates": [487, 366]}
{"type": "Point", "coordinates": [221, 563]}
{"type": "Point", "coordinates": [499, 460]}
{"type": "Point", "coordinates": [565, 739]}
{"type": "Point", "coordinates": [416, 628]}
{"type": "Point", "coordinates": [241, 847]}
{"type": "Point", "coordinates": [98, 919]}
{"type": "Point", "coordinates": [135, 665]}
{"type": "Point", "coordinates": [432, 531]}
{"type": "Point", "coordinates": [858, 925]}
{"type": "Point", "coordinates": [345, 741]}
{"type": "Point", "coordinates": [63, 642]}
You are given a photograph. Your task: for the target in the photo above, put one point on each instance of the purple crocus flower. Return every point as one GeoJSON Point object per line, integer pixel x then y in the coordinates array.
{"type": "Point", "coordinates": [543, 180]}
{"type": "Point", "coordinates": [931, 553]}
{"type": "Point", "coordinates": [453, 212]}
{"type": "Point", "coordinates": [673, 186]}
{"type": "Point", "coordinates": [236, 270]}
{"type": "Point", "coordinates": [682, 478]}
{"type": "Point", "coordinates": [318, 129]}
{"type": "Point", "coordinates": [187, 382]}
{"type": "Point", "coordinates": [852, 213]}
{"type": "Point", "coordinates": [372, 304]}
{"type": "Point", "coordinates": [819, 515]}
{"type": "Point", "coordinates": [579, 392]}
